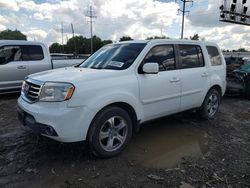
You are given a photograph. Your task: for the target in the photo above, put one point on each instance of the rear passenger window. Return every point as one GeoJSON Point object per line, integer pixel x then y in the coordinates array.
{"type": "Point", "coordinates": [191, 56]}
{"type": "Point", "coordinates": [32, 52]}
{"type": "Point", "coordinates": [163, 55]}
{"type": "Point", "coordinates": [214, 55]}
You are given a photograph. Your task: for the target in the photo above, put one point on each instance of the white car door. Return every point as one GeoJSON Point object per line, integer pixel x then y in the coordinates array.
{"type": "Point", "coordinates": [195, 76]}
{"type": "Point", "coordinates": [160, 93]}
{"type": "Point", "coordinates": [12, 68]}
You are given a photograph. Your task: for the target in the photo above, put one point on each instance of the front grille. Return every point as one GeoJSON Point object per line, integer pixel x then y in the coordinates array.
{"type": "Point", "coordinates": [31, 90]}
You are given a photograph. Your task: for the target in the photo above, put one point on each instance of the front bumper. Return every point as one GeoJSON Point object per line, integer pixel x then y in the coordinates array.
{"type": "Point", "coordinates": [29, 121]}
{"type": "Point", "coordinates": [56, 120]}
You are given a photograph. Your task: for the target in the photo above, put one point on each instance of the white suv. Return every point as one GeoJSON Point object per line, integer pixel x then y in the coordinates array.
{"type": "Point", "coordinates": [106, 98]}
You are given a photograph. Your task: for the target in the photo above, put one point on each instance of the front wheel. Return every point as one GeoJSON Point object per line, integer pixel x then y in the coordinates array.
{"type": "Point", "coordinates": [110, 132]}
{"type": "Point", "coordinates": [210, 105]}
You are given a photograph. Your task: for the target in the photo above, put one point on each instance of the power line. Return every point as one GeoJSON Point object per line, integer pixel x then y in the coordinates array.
{"type": "Point", "coordinates": [91, 15]}
{"type": "Point", "coordinates": [183, 14]}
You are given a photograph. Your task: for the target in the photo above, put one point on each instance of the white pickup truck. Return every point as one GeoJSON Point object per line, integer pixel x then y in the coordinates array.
{"type": "Point", "coordinates": [20, 58]}
{"type": "Point", "coordinates": [119, 87]}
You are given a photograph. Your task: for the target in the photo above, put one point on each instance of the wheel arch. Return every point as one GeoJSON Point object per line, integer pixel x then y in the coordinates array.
{"type": "Point", "coordinates": [125, 106]}
{"type": "Point", "coordinates": [131, 112]}
{"type": "Point", "coordinates": [218, 88]}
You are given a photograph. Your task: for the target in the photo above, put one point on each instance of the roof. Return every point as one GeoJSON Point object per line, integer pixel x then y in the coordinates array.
{"type": "Point", "coordinates": [155, 41]}
{"type": "Point", "coordinates": [133, 41]}
{"type": "Point", "coordinates": [19, 42]}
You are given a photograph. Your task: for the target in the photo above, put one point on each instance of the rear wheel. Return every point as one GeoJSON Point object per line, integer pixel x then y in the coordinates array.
{"type": "Point", "coordinates": [248, 88]}
{"type": "Point", "coordinates": [110, 132]}
{"type": "Point", "coordinates": [210, 105]}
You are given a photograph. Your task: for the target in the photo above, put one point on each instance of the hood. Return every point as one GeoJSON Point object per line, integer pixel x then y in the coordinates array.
{"type": "Point", "coordinates": [245, 68]}
{"type": "Point", "coordinates": [73, 74]}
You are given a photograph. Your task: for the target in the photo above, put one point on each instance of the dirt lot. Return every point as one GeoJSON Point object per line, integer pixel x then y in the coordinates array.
{"type": "Point", "coordinates": [177, 151]}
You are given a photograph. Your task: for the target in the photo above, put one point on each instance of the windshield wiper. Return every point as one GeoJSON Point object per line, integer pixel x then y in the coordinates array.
{"type": "Point", "coordinates": [95, 67]}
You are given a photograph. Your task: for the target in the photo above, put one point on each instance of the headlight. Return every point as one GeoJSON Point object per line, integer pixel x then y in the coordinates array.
{"type": "Point", "coordinates": [55, 92]}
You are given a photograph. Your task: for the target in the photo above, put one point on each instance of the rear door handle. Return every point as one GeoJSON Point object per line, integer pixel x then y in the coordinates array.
{"type": "Point", "coordinates": [204, 74]}
{"type": "Point", "coordinates": [21, 67]}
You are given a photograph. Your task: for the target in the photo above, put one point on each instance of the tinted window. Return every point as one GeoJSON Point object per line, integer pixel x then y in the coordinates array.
{"type": "Point", "coordinates": [163, 55]}
{"type": "Point", "coordinates": [10, 53]}
{"type": "Point", "coordinates": [115, 56]}
{"type": "Point", "coordinates": [32, 52]}
{"type": "Point", "coordinates": [214, 55]}
{"type": "Point", "coordinates": [191, 56]}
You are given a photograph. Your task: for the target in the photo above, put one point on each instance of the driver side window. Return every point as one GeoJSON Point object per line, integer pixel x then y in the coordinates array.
{"type": "Point", "coordinates": [10, 53]}
{"type": "Point", "coordinates": [163, 55]}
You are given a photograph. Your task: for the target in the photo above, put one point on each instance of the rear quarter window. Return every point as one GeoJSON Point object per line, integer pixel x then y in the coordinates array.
{"type": "Point", "coordinates": [214, 55]}
{"type": "Point", "coordinates": [32, 52]}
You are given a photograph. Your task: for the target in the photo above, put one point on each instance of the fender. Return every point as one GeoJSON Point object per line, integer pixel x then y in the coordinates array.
{"type": "Point", "coordinates": [98, 103]}
{"type": "Point", "coordinates": [113, 96]}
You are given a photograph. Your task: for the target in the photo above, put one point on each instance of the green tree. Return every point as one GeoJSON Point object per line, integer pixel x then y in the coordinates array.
{"type": "Point", "coordinates": [98, 42]}
{"type": "Point", "coordinates": [74, 45]}
{"type": "Point", "coordinates": [195, 37]}
{"type": "Point", "coordinates": [241, 50]}
{"type": "Point", "coordinates": [79, 45]}
{"type": "Point", "coordinates": [12, 35]}
{"type": "Point", "coordinates": [55, 48]}
{"type": "Point", "coordinates": [104, 42]}
{"type": "Point", "coordinates": [125, 38]}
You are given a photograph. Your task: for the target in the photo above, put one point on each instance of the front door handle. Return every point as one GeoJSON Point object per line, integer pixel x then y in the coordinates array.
{"type": "Point", "coordinates": [21, 67]}
{"type": "Point", "coordinates": [174, 80]}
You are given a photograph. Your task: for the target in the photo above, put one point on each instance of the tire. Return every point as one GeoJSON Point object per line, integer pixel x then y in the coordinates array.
{"type": "Point", "coordinates": [110, 132]}
{"type": "Point", "coordinates": [248, 87]}
{"type": "Point", "coordinates": [248, 94]}
{"type": "Point", "coordinates": [210, 104]}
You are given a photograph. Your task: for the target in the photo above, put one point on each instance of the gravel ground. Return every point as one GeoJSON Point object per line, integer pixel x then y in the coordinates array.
{"type": "Point", "coordinates": [177, 151]}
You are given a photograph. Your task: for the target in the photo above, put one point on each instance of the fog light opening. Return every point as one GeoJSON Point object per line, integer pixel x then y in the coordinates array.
{"type": "Point", "coordinates": [49, 131]}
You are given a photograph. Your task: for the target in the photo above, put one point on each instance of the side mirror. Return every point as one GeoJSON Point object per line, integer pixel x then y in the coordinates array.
{"type": "Point", "coordinates": [150, 68]}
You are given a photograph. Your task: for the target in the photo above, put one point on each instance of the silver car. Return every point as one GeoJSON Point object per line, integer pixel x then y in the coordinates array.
{"type": "Point", "coordinates": [19, 59]}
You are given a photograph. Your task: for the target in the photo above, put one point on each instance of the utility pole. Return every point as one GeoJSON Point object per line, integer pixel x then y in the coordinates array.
{"type": "Point", "coordinates": [73, 33]}
{"type": "Point", "coordinates": [62, 37]}
{"type": "Point", "coordinates": [90, 14]}
{"type": "Point", "coordinates": [161, 32]}
{"type": "Point", "coordinates": [183, 14]}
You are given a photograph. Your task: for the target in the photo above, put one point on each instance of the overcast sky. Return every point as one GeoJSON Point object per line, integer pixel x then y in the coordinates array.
{"type": "Point", "coordinates": [41, 20]}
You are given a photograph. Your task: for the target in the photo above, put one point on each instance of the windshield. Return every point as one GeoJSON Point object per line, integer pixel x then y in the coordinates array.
{"type": "Point", "coordinates": [115, 56]}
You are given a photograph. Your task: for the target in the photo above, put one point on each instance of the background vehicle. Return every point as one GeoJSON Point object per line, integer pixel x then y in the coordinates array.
{"type": "Point", "coordinates": [57, 56]}
{"type": "Point", "coordinates": [238, 77]}
{"type": "Point", "coordinates": [238, 81]}
{"type": "Point", "coordinates": [19, 58]}
{"type": "Point", "coordinates": [121, 86]}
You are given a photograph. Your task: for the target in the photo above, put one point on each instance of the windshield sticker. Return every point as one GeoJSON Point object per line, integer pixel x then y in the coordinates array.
{"type": "Point", "coordinates": [116, 64]}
